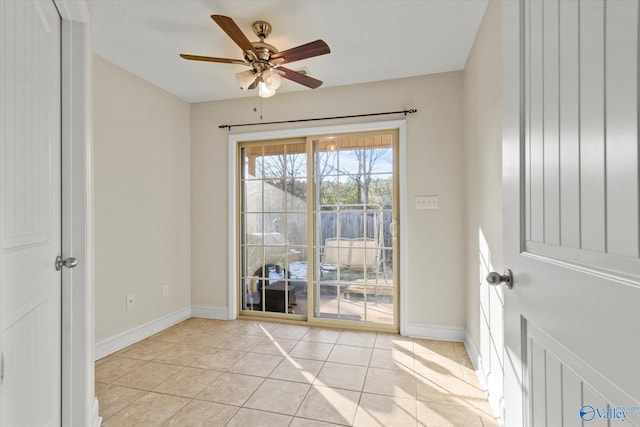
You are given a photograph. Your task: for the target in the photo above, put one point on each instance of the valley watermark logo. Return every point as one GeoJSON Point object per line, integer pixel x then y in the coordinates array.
{"type": "Point", "coordinates": [620, 413]}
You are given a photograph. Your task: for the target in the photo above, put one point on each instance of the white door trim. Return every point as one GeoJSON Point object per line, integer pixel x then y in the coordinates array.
{"type": "Point", "coordinates": [514, 377]}
{"type": "Point", "coordinates": [79, 405]}
{"type": "Point", "coordinates": [235, 139]}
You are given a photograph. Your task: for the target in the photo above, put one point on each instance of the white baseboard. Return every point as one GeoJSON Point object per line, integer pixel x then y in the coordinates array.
{"type": "Point", "coordinates": [478, 365]}
{"type": "Point", "coordinates": [435, 332]}
{"type": "Point", "coordinates": [221, 313]}
{"type": "Point", "coordinates": [476, 359]}
{"type": "Point", "coordinates": [96, 419]}
{"type": "Point", "coordinates": [113, 344]}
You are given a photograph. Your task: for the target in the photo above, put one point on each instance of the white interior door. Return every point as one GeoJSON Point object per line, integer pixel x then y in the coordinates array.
{"type": "Point", "coordinates": [30, 286]}
{"type": "Point", "coordinates": [570, 156]}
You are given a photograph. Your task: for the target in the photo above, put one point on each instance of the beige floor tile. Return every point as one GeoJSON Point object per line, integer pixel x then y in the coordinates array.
{"type": "Point", "coordinates": [209, 338]}
{"type": "Point", "coordinates": [145, 350]}
{"type": "Point", "coordinates": [113, 398]}
{"type": "Point", "coordinates": [268, 326]}
{"type": "Point", "coordinates": [447, 415]}
{"type": "Point", "coordinates": [173, 335]}
{"type": "Point", "coordinates": [111, 368]}
{"type": "Point", "coordinates": [150, 410]}
{"type": "Point", "coordinates": [477, 391]}
{"type": "Point", "coordinates": [469, 372]}
{"type": "Point", "coordinates": [275, 346]}
{"type": "Point", "coordinates": [391, 382]}
{"type": "Point", "coordinates": [441, 388]}
{"type": "Point", "coordinates": [250, 417]}
{"type": "Point", "coordinates": [329, 336]}
{"type": "Point", "coordinates": [321, 376]}
{"type": "Point", "coordinates": [485, 412]}
{"type": "Point", "coordinates": [231, 389]}
{"type": "Point", "coordinates": [200, 323]}
{"type": "Point", "coordinates": [330, 405]}
{"type": "Point", "coordinates": [393, 341]}
{"type": "Point", "coordinates": [225, 326]}
{"type": "Point", "coordinates": [181, 354]}
{"type": "Point", "coordinates": [240, 342]}
{"type": "Point", "coordinates": [304, 422]}
{"type": "Point", "coordinates": [312, 350]}
{"type": "Point", "coordinates": [434, 364]}
{"type": "Point", "coordinates": [293, 332]}
{"type": "Point", "coordinates": [283, 397]}
{"type": "Point", "coordinates": [391, 359]}
{"type": "Point", "coordinates": [298, 370]}
{"type": "Point", "coordinates": [443, 348]}
{"type": "Point", "coordinates": [261, 329]}
{"type": "Point", "coordinates": [217, 359]}
{"type": "Point", "coordinates": [129, 347]}
{"type": "Point", "coordinates": [256, 364]}
{"type": "Point", "coordinates": [147, 376]}
{"type": "Point", "coordinates": [189, 382]}
{"type": "Point", "coordinates": [183, 325]}
{"type": "Point", "coordinates": [340, 375]}
{"type": "Point", "coordinates": [359, 339]}
{"type": "Point", "coordinates": [385, 411]}
{"type": "Point", "coordinates": [351, 355]}
{"type": "Point", "coordinates": [198, 413]}
{"type": "Point", "coordinates": [461, 350]}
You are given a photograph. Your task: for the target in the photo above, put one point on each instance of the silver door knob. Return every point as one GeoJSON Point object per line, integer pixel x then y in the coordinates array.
{"type": "Point", "coordinates": [495, 279]}
{"type": "Point", "coordinates": [66, 262]}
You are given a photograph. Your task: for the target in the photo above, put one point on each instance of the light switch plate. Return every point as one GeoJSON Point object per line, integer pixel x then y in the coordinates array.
{"type": "Point", "coordinates": [427, 202]}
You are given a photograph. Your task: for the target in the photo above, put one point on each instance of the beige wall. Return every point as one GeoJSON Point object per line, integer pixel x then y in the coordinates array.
{"type": "Point", "coordinates": [148, 232]}
{"type": "Point", "coordinates": [482, 93]}
{"type": "Point", "coordinates": [142, 200]}
{"type": "Point", "coordinates": [436, 238]}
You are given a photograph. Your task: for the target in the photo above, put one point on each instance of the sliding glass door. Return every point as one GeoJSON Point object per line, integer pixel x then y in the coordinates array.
{"type": "Point", "coordinates": [354, 239]}
{"type": "Point", "coordinates": [273, 231]}
{"type": "Point", "coordinates": [317, 229]}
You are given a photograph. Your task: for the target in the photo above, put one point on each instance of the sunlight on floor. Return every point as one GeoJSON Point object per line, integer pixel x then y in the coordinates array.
{"type": "Point", "coordinates": [237, 373]}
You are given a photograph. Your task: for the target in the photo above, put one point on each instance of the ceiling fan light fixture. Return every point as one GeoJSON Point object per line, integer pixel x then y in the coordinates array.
{"type": "Point", "coordinates": [245, 79]}
{"type": "Point", "coordinates": [271, 80]}
{"type": "Point", "coordinates": [264, 91]}
{"type": "Point", "coordinates": [264, 60]}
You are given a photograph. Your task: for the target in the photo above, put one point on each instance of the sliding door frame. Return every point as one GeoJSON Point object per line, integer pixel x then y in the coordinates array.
{"type": "Point", "coordinates": [234, 141]}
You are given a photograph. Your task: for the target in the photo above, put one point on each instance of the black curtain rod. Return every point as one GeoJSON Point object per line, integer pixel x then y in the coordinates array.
{"type": "Point", "coordinates": [405, 112]}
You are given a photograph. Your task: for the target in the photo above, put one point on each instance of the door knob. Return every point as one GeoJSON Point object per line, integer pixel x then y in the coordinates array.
{"type": "Point", "coordinates": [66, 262]}
{"type": "Point", "coordinates": [495, 279]}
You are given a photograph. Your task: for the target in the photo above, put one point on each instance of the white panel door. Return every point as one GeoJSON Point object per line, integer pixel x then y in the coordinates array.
{"type": "Point", "coordinates": [571, 182]}
{"type": "Point", "coordinates": [30, 286]}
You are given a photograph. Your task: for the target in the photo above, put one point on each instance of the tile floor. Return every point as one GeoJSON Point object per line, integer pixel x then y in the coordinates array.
{"type": "Point", "coordinates": [204, 372]}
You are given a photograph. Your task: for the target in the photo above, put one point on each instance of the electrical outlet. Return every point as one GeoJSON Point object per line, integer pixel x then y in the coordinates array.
{"type": "Point", "coordinates": [165, 290]}
{"type": "Point", "coordinates": [426, 202]}
{"type": "Point", "coordinates": [131, 301]}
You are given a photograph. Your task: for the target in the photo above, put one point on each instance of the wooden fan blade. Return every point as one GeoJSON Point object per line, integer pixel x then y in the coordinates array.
{"type": "Point", "coordinates": [299, 78]}
{"type": "Point", "coordinates": [231, 28]}
{"type": "Point", "coordinates": [212, 59]}
{"type": "Point", "coordinates": [304, 51]}
{"type": "Point", "coordinates": [254, 84]}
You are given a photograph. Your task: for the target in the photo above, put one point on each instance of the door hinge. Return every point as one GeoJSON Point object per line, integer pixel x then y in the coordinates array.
{"type": "Point", "coordinates": [1, 367]}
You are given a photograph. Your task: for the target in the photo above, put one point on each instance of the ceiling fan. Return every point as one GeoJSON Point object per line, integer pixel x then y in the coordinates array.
{"type": "Point", "coordinates": [264, 60]}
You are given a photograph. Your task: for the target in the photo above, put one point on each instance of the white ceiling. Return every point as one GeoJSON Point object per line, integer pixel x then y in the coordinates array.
{"type": "Point", "coordinates": [370, 40]}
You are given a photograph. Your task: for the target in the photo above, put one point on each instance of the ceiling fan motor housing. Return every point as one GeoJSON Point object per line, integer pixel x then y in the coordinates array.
{"type": "Point", "coordinates": [262, 29]}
